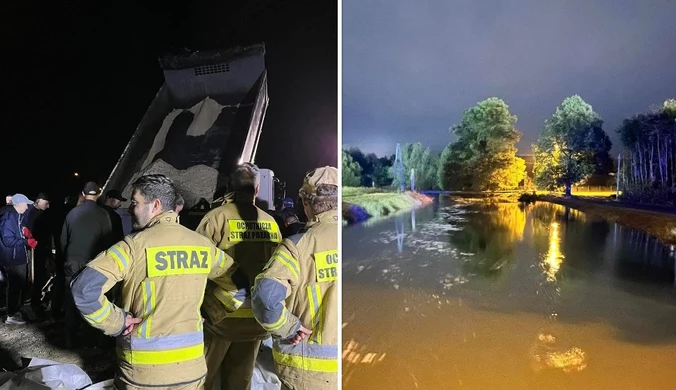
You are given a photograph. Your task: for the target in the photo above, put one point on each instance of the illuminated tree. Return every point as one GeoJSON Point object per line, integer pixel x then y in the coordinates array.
{"type": "Point", "coordinates": [571, 147]}
{"type": "Point", "coordinates": [484, 155]}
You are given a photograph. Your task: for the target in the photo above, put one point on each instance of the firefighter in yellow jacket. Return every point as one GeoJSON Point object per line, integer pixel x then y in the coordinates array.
{"type": "Point", "coordinates": [163, 270]}
{"type": "Point", "coordinates": [249, 235]}
{"type": "Point", "coordinates": [296, 295]}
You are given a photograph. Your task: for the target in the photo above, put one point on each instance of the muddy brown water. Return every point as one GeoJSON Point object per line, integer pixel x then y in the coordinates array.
{"type": "Point", "coordinates": [506, 297]}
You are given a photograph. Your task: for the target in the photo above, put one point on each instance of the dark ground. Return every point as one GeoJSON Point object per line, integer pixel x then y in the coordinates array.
{"type": "Point", "coordinates": [44, 340]}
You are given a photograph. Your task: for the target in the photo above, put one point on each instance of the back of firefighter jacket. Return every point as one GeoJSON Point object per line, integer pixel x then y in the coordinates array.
{"type": "Point", "coordinates": [249, 235]}
{"type": "Point", "coordinates": [163, 271]}
{"type": "Point", "coordinates": [298, 286]}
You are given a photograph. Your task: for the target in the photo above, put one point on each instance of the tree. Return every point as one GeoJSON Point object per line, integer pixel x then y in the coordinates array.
{"type": "Point", "coordinates": [374, 170]}
{"type": "Point", "coordinates": [451, 173]}
{"type": "Point", "coordinates": [484, 155]}
{"type": "Point", "coordinates": [571, 147]}
{"type": "Point", "coordinates": [650, 142]}
{"type": "Point", "coordinates": [351, 171]}
{"type": "Point", "coordinates": [381, 172]}
{"type": "Point", "coordinates": [417, 157]}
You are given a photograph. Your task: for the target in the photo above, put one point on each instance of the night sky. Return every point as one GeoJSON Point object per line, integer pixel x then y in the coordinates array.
{"type": "Point", "coordinates": [66, 66]}
{"type": "Point", "coordinates": [409, 70]}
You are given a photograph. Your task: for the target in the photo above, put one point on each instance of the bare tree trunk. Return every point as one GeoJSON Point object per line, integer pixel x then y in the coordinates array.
{"type": "Point", "coordinates": [641, 160]}
{"type": "Point", "coordinates": [671, 160]}
{"type": "Point", "coordinates": [659, 159]}
{"type": "Point", "coordinates": [651, 162]}
{"type": "Point", "coordinates": [634, 171]}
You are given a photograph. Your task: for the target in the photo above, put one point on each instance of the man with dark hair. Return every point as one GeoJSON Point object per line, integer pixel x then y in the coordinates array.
{"type": "Point", "coordinates": [249, 235]}
{"type": "Point", "coordinates": [86, 232]}
{"type": "Point", "coordinates": [291, 224]}
{"type": "Point", "coordinates": [303, 273]}
{"type": "Point", "coordinates": [287, 219]}
{"type": "Point", "coordinates": [58, 218]}
{"type": "Point", "coordinates": [14, 256]}
{"type": "Point", "coordinates": [163, 268]}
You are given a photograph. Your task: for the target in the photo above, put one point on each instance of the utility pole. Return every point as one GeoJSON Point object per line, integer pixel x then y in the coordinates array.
{"type": "Point", "coordinates": [399, 169]}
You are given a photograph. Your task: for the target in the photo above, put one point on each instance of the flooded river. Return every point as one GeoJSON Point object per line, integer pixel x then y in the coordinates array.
{"type": "Point", "coordinates": [506, 297]}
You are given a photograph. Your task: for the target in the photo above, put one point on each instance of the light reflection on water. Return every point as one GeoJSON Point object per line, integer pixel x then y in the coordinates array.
{"type": "Point", "coordinates": [501, 296]}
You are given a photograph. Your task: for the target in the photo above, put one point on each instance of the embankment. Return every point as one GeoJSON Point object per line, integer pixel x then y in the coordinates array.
{"type": "Point", "coordinates": [361, 204]}
{"type": "Point", "coordinates": [661, 225]}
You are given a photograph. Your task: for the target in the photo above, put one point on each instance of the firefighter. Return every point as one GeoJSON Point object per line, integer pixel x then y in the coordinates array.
{"type": "Point", "coordinates": [296, 296]}
{"type": "Point", "coordinates": [163, 268]}
{"type": "Point", "coordinates": [249, 235]}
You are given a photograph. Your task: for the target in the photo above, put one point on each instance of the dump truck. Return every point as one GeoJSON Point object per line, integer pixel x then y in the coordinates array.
{"type": "Point", "coordinates": [206, 118]}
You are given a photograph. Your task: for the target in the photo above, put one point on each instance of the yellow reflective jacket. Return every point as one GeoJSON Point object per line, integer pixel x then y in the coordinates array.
{"type": "Point", "coordinates": [249, 235]}
{"type": "Point", "coordinates": [163, 271]}
{"type": "Point", "coordinates": [300, 285]}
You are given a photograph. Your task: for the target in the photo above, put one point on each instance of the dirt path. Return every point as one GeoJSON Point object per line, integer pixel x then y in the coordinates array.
{"type": "Point", "coordinates": [44, 340]}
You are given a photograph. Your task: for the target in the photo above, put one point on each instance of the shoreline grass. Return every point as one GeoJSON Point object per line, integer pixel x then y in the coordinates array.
{"type": "Point", "coordinates": [361, 203]}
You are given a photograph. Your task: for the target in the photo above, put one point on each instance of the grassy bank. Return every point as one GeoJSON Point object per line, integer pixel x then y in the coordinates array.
{"type": "Point", "coordinates": [659, 225]}
{"type": "Point", "coordinates": [363, 203]}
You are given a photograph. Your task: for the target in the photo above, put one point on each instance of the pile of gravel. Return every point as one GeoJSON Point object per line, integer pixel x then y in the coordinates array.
{"type": "Point", "coordinates": [194, 183]}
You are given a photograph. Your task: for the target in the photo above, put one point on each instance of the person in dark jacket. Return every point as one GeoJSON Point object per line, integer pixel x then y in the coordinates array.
{"type": "Point", "coordinates": [36, 220]}
{"type": "Point", "coordinates": [57, 219]}
{"type": "Point", "coordinates": [112, 202]}
{"type": "Point", "coordinates": [7, 206]}
{"type": "Point", "coordinates": [291, 224]}
{"type": "Point", "coordinates": [14, 238]}
{"type": "Point", "coordinates": [86, 232]}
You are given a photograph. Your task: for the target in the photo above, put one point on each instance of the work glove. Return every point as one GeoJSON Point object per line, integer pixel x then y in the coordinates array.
{"type": "Point", "coordinates": [32, 243]}
{"type": "Point", "coordinates": [27, 233]}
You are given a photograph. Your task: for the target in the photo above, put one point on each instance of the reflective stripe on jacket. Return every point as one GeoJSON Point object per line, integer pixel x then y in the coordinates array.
{"type": "Point", "coordinates": [249, 235]}
{"type": "Point", "coordinates": [300, 285]}
{"type": "Point", "coordinates": [163, 271]}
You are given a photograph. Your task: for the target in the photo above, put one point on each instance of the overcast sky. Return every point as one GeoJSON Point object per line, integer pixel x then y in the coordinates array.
{"type": "Point", "coordinates": [411, 67]}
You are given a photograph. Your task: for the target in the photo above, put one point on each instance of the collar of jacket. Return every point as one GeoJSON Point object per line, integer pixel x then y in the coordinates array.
{"type": "Point", "coordinates": [330, 216]}
{"type": "Point", "coordinates": [167, 217]}
{"type": "Point", "coordinates": [240, 197]}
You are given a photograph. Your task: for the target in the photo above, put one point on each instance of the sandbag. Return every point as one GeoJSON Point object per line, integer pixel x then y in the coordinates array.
{"type": "Point", "coordinates": [45, 374]}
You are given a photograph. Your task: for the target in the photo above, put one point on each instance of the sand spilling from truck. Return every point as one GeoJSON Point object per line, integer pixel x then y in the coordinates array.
{"type": "Point", "coordinates": [194, 183]}
{"type": "Point", "coordinates": [206, 112]}
{"type": "Point", "coordinates": [198, 181]}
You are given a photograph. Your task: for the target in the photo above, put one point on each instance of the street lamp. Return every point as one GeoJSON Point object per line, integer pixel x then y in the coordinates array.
{"type": "Point", "coordinates": [76, 174]}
